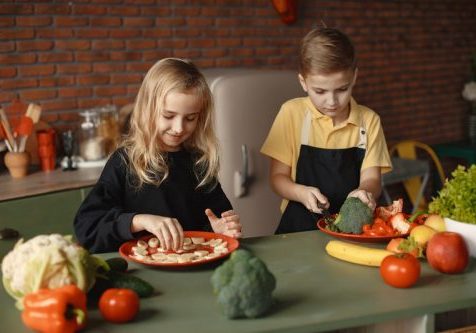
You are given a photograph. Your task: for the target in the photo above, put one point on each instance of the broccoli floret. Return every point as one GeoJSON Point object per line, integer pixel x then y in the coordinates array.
{"type": "Point", "coordinates": [243, 285]}
{"type": "Point", "coordinates": [353, 215]}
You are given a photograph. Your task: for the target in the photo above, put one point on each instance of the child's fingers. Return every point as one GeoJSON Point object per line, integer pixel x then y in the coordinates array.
{"type": "Point", "coordinates": [231, 218]}
{"type": "Point", "coordinates": [233, 233]}
{"type": "Point", "coordinates": [165, 238]}
{"type": "Point", "coordinates": [230, 212]}
{"type": "Point", "coordinates": [177, 234]}
{"type": "Point", "coordinates": [210, 214]}
{"type": "Point", "coordinates": [233, 225]}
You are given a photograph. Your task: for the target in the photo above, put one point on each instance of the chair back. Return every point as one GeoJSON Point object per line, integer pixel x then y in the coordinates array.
{"type": "Point", "coordinates": [408, 149]}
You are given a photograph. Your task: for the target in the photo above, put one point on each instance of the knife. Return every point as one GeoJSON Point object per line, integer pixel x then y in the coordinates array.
{"type": "Point", "coordinates": [324, 215]}
{"type": "Point", "coordinates": [324, 211]}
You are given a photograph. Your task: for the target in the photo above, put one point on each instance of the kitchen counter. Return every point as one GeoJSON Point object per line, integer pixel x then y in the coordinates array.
{"type": "Point", "coordinates": [38, 182]}
{"type": "Point", "coordinates": [315, 293]}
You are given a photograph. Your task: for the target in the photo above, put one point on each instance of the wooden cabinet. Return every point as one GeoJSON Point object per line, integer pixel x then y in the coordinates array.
{"type": "Point", "coordinates": [42, 214]}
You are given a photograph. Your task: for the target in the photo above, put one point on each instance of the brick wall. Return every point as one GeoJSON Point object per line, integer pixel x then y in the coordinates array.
{"type": "Point", "coordinates": [414, 56]}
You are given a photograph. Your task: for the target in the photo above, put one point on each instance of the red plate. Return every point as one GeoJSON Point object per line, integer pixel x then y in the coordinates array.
{"type": "Point", "coordinates": [126, 249]}
{"type": "Point", "coordinates": [321, 224]}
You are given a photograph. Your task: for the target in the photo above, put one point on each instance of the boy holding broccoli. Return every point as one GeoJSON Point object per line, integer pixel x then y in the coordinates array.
{"type": "Point", "coordinates": [325, 147]}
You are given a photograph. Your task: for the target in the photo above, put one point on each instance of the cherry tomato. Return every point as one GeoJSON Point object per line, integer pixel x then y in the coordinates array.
{"type": "Point", "coordinates": [379, 221]}
{"type": "Point", "coordinates": [119, 305]}
{"type": "Point", "coordinates": [389, 230]}
{"type": "Point", "coordinates": [400, 270]}
{"type": "Point", "coordinates": [366, 228]}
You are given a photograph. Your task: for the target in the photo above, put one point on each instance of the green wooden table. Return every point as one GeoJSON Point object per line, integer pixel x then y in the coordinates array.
{"type": "Point", "coordinates": [315, 293]}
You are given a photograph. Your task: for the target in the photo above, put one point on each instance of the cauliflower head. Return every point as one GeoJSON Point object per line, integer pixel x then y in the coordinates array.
{"type": "Point", "coordinates": [47, 261]}
{"type": "Point", "coordinates": [243, 285]}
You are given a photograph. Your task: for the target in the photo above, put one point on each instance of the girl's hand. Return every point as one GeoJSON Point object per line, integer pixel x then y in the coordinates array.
{"type": "Point", "coordinates": [229, 223]}
{"type": "Point", "coordinates": [167, 229]}
{"type": "Point", "coordinates": [366, 197]}
{"type": "Point", "coordinates": [312, 199]}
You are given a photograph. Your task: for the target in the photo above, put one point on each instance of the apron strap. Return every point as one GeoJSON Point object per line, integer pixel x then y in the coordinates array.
{"type": "Point", "coordinates": [306, 128]}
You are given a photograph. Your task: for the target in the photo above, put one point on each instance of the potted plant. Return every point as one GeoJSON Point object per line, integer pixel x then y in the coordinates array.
{"type": "Point", "coordinates": [456, 202]}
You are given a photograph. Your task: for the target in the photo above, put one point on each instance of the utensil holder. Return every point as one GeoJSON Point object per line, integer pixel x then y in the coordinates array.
{"type": "Point", "coordinates": [17, 163]}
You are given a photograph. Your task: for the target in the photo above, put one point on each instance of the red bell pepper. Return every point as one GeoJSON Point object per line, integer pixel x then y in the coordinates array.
{"type": "Point", "coordinates": [60, 310]}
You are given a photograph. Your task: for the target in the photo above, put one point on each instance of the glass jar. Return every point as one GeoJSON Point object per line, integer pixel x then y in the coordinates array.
{"type": "Point", "coordinates": [91, 144]}
{"type": "Point", "coordinates": [108, 128]}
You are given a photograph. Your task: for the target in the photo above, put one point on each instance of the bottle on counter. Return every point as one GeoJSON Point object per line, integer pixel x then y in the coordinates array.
{"type": "Point", "coordinates": [91, 144]}
{"type": "Point", "coordinates": [108, 127]}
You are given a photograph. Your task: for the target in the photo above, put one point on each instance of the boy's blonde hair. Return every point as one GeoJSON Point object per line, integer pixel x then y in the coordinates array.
{"type": "Point", "coordinates": [147, 162]}
{"type": "Point", "coordinates": [326, 50]}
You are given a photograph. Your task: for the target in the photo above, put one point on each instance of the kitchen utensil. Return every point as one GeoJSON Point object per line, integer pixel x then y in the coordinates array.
{"type": "Point", "coordinates": [7, 129]}
{"type": "Point", "coordinates": [34, 112]}
{"type": "Point", "coordinates": [3, 136]}
{"type": "Point", "coordinates": [24, 129]}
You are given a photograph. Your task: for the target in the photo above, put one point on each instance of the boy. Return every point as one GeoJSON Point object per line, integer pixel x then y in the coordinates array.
{"type": "Point", "coordinates": [325, 147]}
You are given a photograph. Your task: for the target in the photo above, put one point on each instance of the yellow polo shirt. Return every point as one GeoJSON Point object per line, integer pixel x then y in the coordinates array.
{"type": "Point", "coordinates": [284, 139]}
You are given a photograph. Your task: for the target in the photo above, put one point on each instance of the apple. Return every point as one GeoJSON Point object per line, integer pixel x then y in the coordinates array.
{"type": "Point", "coordinates": [422, 234]}
{"type": "Point", "coordinates": [436, 222]}
{"type": "Point", "coordinates": [403, 245]}
{"type": "Point", "coordinates": [447, 252]}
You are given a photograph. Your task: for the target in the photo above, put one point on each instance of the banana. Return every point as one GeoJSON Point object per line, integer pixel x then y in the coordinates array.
{"type": "Point", "coordinates": [356, 254]}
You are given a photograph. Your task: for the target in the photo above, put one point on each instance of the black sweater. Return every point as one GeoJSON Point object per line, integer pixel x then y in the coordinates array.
{"type": "Point", "coordinates": [103, 221]}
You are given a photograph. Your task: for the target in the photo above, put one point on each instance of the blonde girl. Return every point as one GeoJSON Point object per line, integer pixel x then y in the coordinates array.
{"type": "Point", "coordinates": [163, 179]}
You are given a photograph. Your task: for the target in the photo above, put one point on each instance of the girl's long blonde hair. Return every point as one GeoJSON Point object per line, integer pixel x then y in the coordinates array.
{"type": "Point", "coordinates": [146, 161]}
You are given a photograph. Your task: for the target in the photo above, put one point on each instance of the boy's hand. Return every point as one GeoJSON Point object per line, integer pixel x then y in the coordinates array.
{"type": "Point", "coordinates": [366, 197]}
{"type": "Point", "coordinates": [167, 229]}
{"type": "Point", "coordinates": [313, 199]}
{"type": "Point", "coordinates": [229, 223]}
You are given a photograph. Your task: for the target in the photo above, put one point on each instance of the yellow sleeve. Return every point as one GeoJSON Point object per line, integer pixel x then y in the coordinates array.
{"type": "Point", "coordinates": [280, 142]}
{"type": "Point", "coordinates": [377, 151]}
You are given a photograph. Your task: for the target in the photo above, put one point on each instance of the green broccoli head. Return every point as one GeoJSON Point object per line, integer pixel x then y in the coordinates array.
{"type": "Point", "coordinates": [353, 215]}
{"type": "Point", "coordinates": [243, 285]}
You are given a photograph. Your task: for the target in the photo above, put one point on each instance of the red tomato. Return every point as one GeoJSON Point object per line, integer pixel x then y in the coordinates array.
{"type": "Point", "coordinates": [400, 270]}
{"type": "Point", "coordinates": [119, 305]}
{"type": "Point", "coordinates": [447, 252]}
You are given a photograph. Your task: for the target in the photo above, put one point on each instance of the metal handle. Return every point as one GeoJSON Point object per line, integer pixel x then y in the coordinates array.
{"type": "Point", "coordinates": [241, 180]}
{"type": "Point", "coordinates": [244, 166]}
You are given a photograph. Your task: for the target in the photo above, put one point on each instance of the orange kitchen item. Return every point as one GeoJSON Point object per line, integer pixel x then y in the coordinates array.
{"type": "Point", "coordinates": [24, 129]}
{"type": "Point", "coordinates": [47, 163]}
{"type": "Point", "coordinates": [46, 149]}
{"type": "Point", "coordinates": [60, 310]}
{"type": "Point", "coordinates": [17, 163]}
{"type": "Point", "coordinates": [46, 137]}
{"type": "Point", "coordinates": [25, 126]}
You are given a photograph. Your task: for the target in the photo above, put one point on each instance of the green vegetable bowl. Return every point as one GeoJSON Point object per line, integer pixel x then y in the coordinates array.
{"type": "Point", "coordinates": [456, 202]}
{"type": "Point", "coordinates": [467, 230]}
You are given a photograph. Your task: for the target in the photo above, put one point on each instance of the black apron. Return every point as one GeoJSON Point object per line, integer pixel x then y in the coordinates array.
{"type": "Point", "coordinates": [335, 172]}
